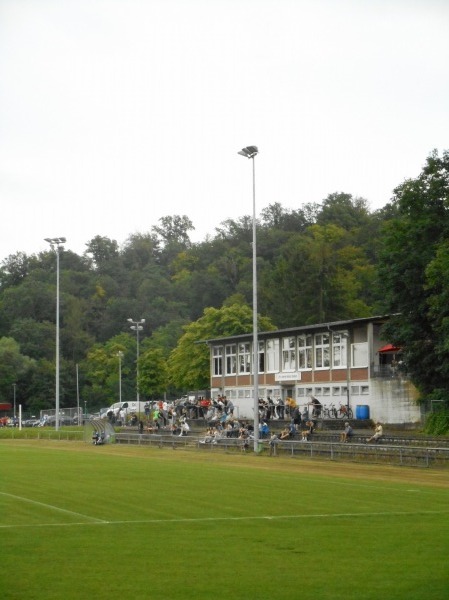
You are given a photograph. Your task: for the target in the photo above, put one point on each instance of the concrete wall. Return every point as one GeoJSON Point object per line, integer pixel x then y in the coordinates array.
{"type": "Point", "coordinates": [393, 401]}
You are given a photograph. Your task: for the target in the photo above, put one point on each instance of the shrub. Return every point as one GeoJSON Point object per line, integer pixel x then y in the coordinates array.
{"type": "Point", "coordinates": [437, 423]}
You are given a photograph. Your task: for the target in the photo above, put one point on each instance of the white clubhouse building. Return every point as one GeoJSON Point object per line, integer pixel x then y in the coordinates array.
{"type": "Point", "coordinates": [345, 362]}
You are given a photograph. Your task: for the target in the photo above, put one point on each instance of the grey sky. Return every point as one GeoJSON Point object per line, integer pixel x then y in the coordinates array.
{"type": "Point", "coordinates": [115, 113]}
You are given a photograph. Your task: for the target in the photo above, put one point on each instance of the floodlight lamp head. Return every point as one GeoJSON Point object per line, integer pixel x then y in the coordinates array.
{"type": "Point", "coordinates": [249, 151]}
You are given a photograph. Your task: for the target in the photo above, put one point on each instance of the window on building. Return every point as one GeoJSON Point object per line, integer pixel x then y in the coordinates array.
{"type": "Point", "coordinates": [274, 393]}
{"type": "Point", "coordinates": [272, 356]}
{"type": "Point", "coordinates": [364, 389]}
{"type": "Point", "coordinates": [231, 359]}
{"type": "Point", "coordinates": [355, 389]}
{"type": "Point", "coordinates": [326, 391]}
{"type": "Point", "coordinates": [339, 350]}
{"type": "Point", "coordinates": [300, 393]}
{"type": "Point", "coordinates": [336, 391]}
{"type": "Point", "coordinates": [244, 357]}
{"type": "Point", "coordinates": [360, 354]}
{"type": "Point", "coordinates": [218, 360]}
{"type": "Point", "coordinates": [322, 351]}
{"type": "Point", "coordinates": [318, 391]}
{"type": "Point", "coordinates": [288, 354]}
{"type": "Point", "coordinates": [304, 351]}
{"type": "Point", "coordinates": [261, 357]}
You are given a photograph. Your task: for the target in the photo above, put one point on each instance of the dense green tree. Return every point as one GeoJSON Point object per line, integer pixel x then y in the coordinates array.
{"type": "Point", "coordinates": [318, 277]}
{"type": "Point", "coordinates": [174, 229]}
{"type": "Point", "coordinates": [36, 339]}
{"type": "Point", "coordinates": [32, 299]}
{"type": "Point", "coordinates": [344, 211]}
{"type": "Point", "coordinates": [153, 373]}
{"type": "Point", "coordinates": [275, 217]}
{"type": "Point", "coordinates": [13, 366]}
{"type": "Point", "coordinates": [37, 388]}
{"type": "Point", "coordinates": [101, 369]}
{"type": "Point", "coordinates": [103, 252]}
{"type": "Point", "coordinates": [14, 269]}
{"type": "Point", "coordinates": [188, 364]}
{"type": "Point", "coordinates": [413, 270]}
{"type": "Point", "coordinates": [309, 269]}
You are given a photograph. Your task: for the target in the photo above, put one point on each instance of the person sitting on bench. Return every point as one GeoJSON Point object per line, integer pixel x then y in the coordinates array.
{"type": "Point", "coordinates": [378, 433]}
{"type": "Point", "coordinates": [285, 434]}
{"type": "Point", "coordinates": [347, 433]}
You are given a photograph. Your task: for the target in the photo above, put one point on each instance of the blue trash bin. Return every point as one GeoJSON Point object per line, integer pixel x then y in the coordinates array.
{"type": "Point", "coordinates": [362, 411]}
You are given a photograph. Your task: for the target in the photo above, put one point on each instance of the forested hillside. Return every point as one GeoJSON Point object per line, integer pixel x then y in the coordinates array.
{"type": "Point", "coordinates": [315, 264]}
{"type": "Point", "coordinates": [321, 263]}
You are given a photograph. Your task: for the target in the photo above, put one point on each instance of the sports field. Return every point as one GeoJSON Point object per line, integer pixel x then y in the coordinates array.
{"type": "Point", "coordinates": [81, 521]}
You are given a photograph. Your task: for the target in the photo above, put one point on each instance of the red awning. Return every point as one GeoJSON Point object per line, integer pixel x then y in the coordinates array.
{"type": "Point", "coordinates": [389, 348]}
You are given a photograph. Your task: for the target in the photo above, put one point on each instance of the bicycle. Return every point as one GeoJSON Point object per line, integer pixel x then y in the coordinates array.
{"type": "Point", "coordinates": [330, 412]}
{"type": "Point", "coordinates": [344, 412]}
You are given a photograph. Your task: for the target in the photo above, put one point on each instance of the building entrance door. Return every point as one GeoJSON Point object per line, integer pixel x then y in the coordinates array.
{"type": "Point", "coordinates": [287, 392]}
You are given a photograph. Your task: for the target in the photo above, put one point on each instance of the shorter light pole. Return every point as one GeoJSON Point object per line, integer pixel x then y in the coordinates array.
{"type": "Point", "coordinates": [348, 371]}
{"type": "Point", "coordinates": [120, 355]}
{"type": "Point", "coordinates": [14, 389]}
{"type": "Point", "coordinates": [137, 326]}
{"type": "Point", "coordinates": [77, 395]}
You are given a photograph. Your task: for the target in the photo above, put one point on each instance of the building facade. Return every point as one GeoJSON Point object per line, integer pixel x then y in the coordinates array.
{"type": "Point", "coordinates": [340, 363]}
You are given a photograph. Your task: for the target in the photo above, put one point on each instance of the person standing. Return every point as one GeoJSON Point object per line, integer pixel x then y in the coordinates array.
{"type": "Point", "coordinates": [273, 442]}
{"type": "Point", "coordinates": [317, 406]}
{"type": "Point", "coordinates": [296, 417]}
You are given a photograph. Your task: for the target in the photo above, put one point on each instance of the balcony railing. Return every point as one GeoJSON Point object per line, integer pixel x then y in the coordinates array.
{"type": "Point", "coordinates": [388, 372]}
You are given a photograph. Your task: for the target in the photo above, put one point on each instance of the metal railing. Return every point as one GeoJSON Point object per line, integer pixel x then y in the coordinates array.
{"type": "Point", "coordinates": [393, 454]}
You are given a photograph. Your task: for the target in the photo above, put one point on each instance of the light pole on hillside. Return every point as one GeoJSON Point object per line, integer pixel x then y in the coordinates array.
{"type": "Point", "coordinates": [120, 355]}
{"type": "Point", "coordinates": [55, 244]}
{"type": "Point", "coordinates": [14, 392]}
{"type": "Point", "coordinates": [251, 152]}
{"type": "Point", "coordinates": [137, 326]}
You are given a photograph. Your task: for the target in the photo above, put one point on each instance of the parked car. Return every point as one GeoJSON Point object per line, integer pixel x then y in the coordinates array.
{"type": "Point", "coordinates": [82, 419]}
{"type": "Point", "coordinates": [50, 420]}
{"type": "Point", "coordinates": [31, 422]}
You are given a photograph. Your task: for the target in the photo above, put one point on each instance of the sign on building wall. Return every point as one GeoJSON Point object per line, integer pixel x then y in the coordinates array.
{"type": "Point", "coordinates": [280, 377]}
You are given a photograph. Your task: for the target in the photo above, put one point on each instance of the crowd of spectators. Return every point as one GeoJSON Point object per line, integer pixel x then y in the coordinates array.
{"type": "Point", "coordinates": [222, 422]}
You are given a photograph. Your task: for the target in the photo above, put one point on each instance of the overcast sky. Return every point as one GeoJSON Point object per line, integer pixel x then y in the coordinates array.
{"type": "Point", "coordinates": [115, 113]}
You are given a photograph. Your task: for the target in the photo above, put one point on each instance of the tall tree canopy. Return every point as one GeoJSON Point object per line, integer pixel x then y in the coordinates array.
{"type": "Point", "coordinates": [189, 363]}
{"type": "Point", "coordinates": [314, 263]}
{"type": "Point", "coordinates": [414, 274]}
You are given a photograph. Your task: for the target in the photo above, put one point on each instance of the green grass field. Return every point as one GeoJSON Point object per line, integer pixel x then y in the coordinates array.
{"type": "Point", "coordinates": [79, 521]}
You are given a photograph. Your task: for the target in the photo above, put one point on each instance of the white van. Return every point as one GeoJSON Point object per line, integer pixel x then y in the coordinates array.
{"type": "Point", "coordinates": [128, 407]}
